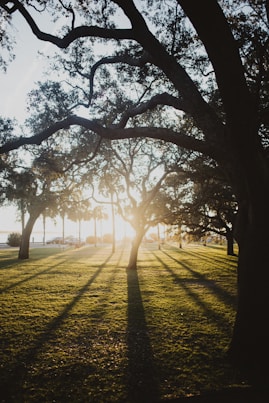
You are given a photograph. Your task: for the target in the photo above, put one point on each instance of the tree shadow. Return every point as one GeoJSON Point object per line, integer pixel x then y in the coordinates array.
{"type": "Point", "coordinates": [59, 258]}
{"type": "Point", "coordinates": [9, 257]}
{"type": "Point", "coordinates": [202, 255]}
{"type": "Point", "coordinates": [143, 383]}
{"type": "Point", "coordinates": [18, 370]}
{"type": "Point", "coordinates": [188, 285]}
{"type": "Point", "coordinates": [8, 261]}
{"type": "Point", "coordinates": [222, 294]}
{"type": "Point", "coordinates": [28, 278]}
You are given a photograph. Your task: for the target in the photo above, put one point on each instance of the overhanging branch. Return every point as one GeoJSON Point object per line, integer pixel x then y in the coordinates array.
{"type": "Point", "coordinates": [116, 133]}
{"type": "Point", "coordinates": [125, 59]}
{"type": "Point", "coordinates": [71, 36]}
{"type": "Point", "coordinates": [159, 99]}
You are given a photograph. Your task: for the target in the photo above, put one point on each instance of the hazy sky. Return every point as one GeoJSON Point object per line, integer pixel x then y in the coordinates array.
{"type": "Point", "coordinates": [28, 66]}
{"type": "Point", "coordinates": [26, 69]}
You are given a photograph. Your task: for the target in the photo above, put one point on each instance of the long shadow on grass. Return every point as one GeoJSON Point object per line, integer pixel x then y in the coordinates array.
{"type": "Point", "coordinates": [187, 286]}
{"type": "Point", "coordinates": [29, 278]}
{"type": "Point", "coordinates": [202, 255]}
{"type": "Point", "coordinates": [18, 370]}
{"type": "Point", "coordinates": [9, 258]}
{"type": "Point", "coordinates": [220, 293]}
{"type": "Point", "coordinates": [59, 258]}
{"type": "Point", "coordinates": [143, 385]}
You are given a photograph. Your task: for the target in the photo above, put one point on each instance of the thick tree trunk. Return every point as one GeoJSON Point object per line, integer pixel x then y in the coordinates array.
{"type": "Point", "coordinates": [132, 265]}
{"type": "Point", "coordinates": [25, 239]}
{"type": "Point", "coordinates": [249, 348]}
{"type": "Point", "coordinates": [230, 243]}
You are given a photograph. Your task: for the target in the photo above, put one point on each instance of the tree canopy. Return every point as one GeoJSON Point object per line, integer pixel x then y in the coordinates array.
{"type": "Point", "coordinates": [157, 62]}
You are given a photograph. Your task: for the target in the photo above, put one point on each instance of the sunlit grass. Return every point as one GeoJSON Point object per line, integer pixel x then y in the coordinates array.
{"type": "Point", "coordinates": [76, 327]}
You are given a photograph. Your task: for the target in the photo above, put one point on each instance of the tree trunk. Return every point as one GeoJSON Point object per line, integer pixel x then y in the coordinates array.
{"type": "Point", "coordinates": [132, 265]}
{"type": "Point", "coordinates": [250, 342]}
{"type": "Point", "coordinates": [79, 232]}
{"type": "Point", "coordinates": [249, 348]}
{"type": "Point", "coordinates": [22, 216]}
{"type": "Point", "coordinates": [25, 239]}
{"type": "Point", "coordinates": [95, 232]}
{"type": "Point", "coordinates": [113, 225]}
{"type": "Point", "coordinates": [44, 229]}
{"type": "Point", "coordinates": [63, 227]}
{"type": "Point", "coordinates": [230, 243]}
{"type": "Point", "coordinates": [159, 237]}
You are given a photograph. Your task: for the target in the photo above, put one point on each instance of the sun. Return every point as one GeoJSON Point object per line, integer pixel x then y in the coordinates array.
{"type": "Point", "coordinates": [123, 230]}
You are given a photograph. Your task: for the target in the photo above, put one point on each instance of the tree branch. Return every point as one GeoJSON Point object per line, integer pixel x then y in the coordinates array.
{"type": "Point", "coordinates": [84, 161]}
{"type": "Point", "coordinates": [159, 99]}
{"type": "Point", "coordinates": [227, 63]}
{"type": "Point", "coordinates": [116, 133]}
{"type": "Point", "coordinates": [126, 59]}
{"type": "Point", "coordinates": [78, 32]}
{"type": "Point", "coordinates": [204, 116]}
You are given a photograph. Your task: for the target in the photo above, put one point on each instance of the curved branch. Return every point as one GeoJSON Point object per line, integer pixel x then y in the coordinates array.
{"type": "Point", "coordinates": [203, 114]}
{"type": "Point", "coordinates": [78, 32]}
{"type": "Point", "coordinates": [126, 59]}
{"type": "Point", "coordinates": [38, 138]}
{"type": "Point", "coordinates": [84, 161]}
{"type": "Point", "coordinates": [116, 133]}
{"type": "Point", "coordinates": [70, 10]}
{"type": "Point", "coordinates": [159, 99]}
{"type": "Point", "coordinates": [205, 117]}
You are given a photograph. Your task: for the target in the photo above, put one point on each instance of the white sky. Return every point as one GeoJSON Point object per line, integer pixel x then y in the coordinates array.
{"type": "Point", "coordinates": [23, 72]}
{"type": "Point", "coordinates": [14, 85]}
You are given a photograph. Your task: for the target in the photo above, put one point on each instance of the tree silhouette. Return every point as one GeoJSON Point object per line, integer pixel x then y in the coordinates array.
{"type": "Point", "coordinates": [135, 171]}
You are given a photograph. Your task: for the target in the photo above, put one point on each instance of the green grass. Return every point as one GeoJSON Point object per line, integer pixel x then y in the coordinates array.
{"type": "Point", "coordinates": [76, 327]}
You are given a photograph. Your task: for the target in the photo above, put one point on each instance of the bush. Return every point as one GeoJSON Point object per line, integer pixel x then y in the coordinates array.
{"type": "Point", "coordinates": [92, 240]}
{"type": "Point", "coordinates": [14, 239]}
{"type": "Point", "coordinates": [107, 238]}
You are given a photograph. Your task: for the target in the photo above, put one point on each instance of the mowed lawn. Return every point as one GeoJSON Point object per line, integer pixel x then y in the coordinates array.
{"type": "Point", "coordinates": [75, 326]}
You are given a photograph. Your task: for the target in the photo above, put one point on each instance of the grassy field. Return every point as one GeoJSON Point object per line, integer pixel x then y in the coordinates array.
{"type": "Point", "coordinates": [76, 327]}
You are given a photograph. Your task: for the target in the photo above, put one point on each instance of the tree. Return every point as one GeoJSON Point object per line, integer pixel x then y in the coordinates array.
{"type": "Point", "coordinates": [202, 220]}
{"type": "Point", "coordinates": [98, 214]}
{"type": "Point", "coordinates": [79, 211]}
{"type": "Point", "coordinates": [38, 188]}
{"type": "Point", "coordinates": [211, 205]}
{"type": "Point", "coordinates": [182, 61]}
{"type": "Point", "coordinates": [38, 195]}
{"type": "Point", "coordinates": [137, 169]}
{"type": "Point", "coordinates": [169, 201]}
{"type": "Point", "coordinates": [7, 161]}
{"type": "Point", "coordinates": [107, 184]}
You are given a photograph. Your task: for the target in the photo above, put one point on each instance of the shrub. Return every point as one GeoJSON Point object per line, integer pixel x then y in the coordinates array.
{"type": "Point", "coordinates": [107, 238]}
{"type": "Point", "coordinates": [14, 239]}
{"type": "Point", "coordinates": [92, 240]}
